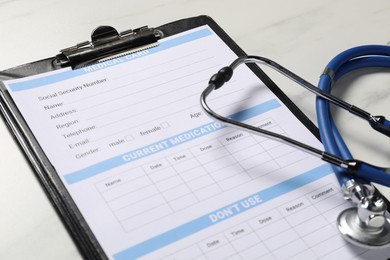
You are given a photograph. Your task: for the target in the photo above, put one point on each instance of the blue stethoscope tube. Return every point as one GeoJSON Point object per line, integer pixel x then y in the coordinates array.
{"type": "Point", "coordinates": [345, 62]}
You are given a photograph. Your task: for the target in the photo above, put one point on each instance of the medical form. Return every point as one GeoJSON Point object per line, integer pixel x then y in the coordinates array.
{"type": "Point", "coordinates": [155, 178]}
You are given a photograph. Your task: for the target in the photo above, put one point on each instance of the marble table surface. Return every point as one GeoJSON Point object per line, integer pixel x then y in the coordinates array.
{"type": "Point", "coordinates": [303, 35]}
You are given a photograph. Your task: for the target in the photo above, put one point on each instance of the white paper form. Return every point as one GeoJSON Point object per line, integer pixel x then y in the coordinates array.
{"type": "Point", "coordinates": [155, 178]}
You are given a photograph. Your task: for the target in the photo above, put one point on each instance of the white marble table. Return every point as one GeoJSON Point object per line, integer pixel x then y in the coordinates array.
{"type": "Point", "coordinates": [301, 34]}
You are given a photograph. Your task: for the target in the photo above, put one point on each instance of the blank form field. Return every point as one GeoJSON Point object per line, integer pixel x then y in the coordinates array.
{"type": "Point", "coordinates": [226, 172]}
{"type": "Point", "coordinates": [263, 169]}
{"type": "Point", "coordinates": [200, 182]}
{"type": "Point", "coordinates": [219, 163]}
{"type": "Point", "coordinates": [234, 181]}
{"type": "Point", "coordinates": [305, 255]}
{"type": "Point", "coordinates": [132, 197]}
{"type": "Point", "coordinates": [192, 251]}
{"type": "Point", "coordinates": [176, 192]}
{"type": "Point", "coordinates": [319, 235]}
{"type": "Point", "coordinates": [248, 152]}
{"type": "Point", "coordinates": [140, 220]}
{"type": "Point", "coordinates": [193, 174]}
{"type": "Point", "coordinates": [207, 192]}
{"type": "Point", "coordinates": [311, 225]}
{"type": "Point", "coordinates": [291, 158]}
{"type": "Point", "coordinates": [254, 252]}
{"type": "Point", "coordinates": [326, 247]}
{"type": "Point", "coordinates": [283, 238]}
{"type": "Point", "coordinates": [290, 249]}
{"type": "Point", "coordinates": [346, 251]}
{"type": "Point", "coordinates": [183, 202]}
{"type": "Point", "coordinates": [169, 183]}
{"type": "Point", "coordinates": [140, 207]}
{"type": "Point", "coordinates": [255, 161]}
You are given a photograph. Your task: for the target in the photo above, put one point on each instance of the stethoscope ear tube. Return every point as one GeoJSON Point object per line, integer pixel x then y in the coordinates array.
{"type": "Point", "coordinates": [344, 166]}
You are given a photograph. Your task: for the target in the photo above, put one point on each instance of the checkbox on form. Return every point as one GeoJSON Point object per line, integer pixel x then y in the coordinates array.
{"type": "Point", "coordinates": [164, 125]}
{"type": "Point", "coordinates": [129, 138]}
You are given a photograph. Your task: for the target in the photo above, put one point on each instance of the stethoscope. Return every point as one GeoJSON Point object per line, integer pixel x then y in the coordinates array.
{"type": "Point", "coordinates": [366, 224]}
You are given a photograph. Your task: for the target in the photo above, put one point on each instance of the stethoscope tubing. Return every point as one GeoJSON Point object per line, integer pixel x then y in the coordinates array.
{"type": "Point", "coordinates": [336, 151]}
{"type": "Point", "coordinates": [350, 60]}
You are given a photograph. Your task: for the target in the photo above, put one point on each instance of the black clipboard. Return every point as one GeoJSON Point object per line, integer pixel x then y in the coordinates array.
{"type": "Point", "coordinates": [105, 41]}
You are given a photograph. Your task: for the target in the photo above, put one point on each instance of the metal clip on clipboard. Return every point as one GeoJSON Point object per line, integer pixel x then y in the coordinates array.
{"type": "Point", "coordinates": [106, 43]}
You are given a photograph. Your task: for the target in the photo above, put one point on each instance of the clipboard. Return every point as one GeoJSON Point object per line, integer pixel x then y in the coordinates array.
{"type": "Point", "coordinates": [105, 42]}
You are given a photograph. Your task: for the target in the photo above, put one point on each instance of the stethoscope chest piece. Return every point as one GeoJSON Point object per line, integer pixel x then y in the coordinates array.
{"type": "Point", "coordinates": [365, 225]}
{"type": "Point", "coordinates": [358, 233]}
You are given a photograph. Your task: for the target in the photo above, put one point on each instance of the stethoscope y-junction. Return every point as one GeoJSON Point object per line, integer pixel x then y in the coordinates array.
{"type": "Point", "coordinates": [366, 224]}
